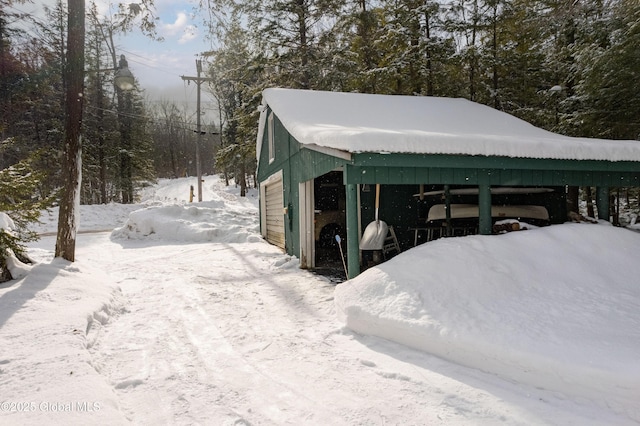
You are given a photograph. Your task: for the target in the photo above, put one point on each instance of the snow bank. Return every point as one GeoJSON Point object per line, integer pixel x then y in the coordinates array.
{"type": "Point", "coordinates": [205, 222]}
{"type": "Point", "coordinates": [95, 217]}
{"type": "Point", "coordinates": [224, 217]}
{"type": "Point", "coordinates": [17, 268]}
{"type": "Point", "coordinates": [551, 307]}
{"type": "Point", "coordinates": [6, 222]}
{"type": "Point", "coordinates": [48, 319]}
{"type": "Point", "coordinates": [14, 265]}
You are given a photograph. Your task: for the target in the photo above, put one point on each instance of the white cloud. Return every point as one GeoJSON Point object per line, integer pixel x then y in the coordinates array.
{"type": "Point", "coordinates": [179, 25]}
{"type": "Point", "coordinates": [190, 33]}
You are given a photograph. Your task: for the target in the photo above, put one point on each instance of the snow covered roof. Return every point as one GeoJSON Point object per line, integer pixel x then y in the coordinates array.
{"type": "Point", "coordinates": [356, 122]}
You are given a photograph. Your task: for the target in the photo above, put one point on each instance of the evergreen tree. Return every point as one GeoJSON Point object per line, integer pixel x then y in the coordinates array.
{"type": "Point", "coordinates": [464, 21]}
{"type": "Point", "coordinates": [523, 89]}
{"type": "Point", "coordinates": [289, 34]}
{"type": "Point", "coordinates": [610, 87]}
{"type": "Point", "coordinates": [142, 168]}
{"type": "Point", "coordinates": [237, 71]}
{"type": "Point", "coordinates": [352, 50]}
{"type": "Point", "coordinates": [135, 149]}
{"type": "Point", "coordinates": [21, 198]}
{"type": "Point", "coordinates": [416, 49]}
{"type": "Point", "coordinates": [32, 95]}
{"type": "Point", "coordinates": [100, 123]}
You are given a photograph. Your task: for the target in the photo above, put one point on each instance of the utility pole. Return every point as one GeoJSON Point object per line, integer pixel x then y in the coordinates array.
{"type": "Point", "coordinates": [199, 80]}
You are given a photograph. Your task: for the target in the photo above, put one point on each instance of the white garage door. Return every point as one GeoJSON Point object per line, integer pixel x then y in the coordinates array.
{"type": "Point", "coordinates": [274, 214]}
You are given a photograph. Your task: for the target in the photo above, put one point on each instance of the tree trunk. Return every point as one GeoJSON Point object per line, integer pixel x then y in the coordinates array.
{"type": "Point", "coordinates": [572, 199]}
{"type": "Point", "coordinates": [587, 193]}
{"type": "Point", "coordinates": [172, 153]}
{"type": "Point", "coordinates": [72, 161]}
{"type": "Point", "coordinates": [494, 48]}
{"type": "Point", "coordinates": [615, 208]}
{"type": "Point", "coordinates": [243, 178]}
{"type": "Point", "coordinates": [427, 34]}
{"type": "Point", "coordinates": [102, 163]}
{"type": "Point", "coordinates": [304, 48]}
{"type": "Point", "coordinates": [126, 174]}
{"type": "Point", "coordinates": [472, 58]}
{"type": "Point", "coordinates": [3, 80]}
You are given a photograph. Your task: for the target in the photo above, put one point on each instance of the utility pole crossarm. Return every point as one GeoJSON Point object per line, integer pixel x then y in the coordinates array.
{"type": "Point", "coordinates": [198, 80]}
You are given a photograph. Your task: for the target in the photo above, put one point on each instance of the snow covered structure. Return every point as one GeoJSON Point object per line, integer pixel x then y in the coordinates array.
{"type": "Point", "coordinates": [319, 148]}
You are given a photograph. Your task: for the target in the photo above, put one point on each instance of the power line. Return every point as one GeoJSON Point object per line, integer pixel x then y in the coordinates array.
{"type": "Point", "coordinates": [164, 70]}
{"type": "Point", "coordinates": [154, 120]}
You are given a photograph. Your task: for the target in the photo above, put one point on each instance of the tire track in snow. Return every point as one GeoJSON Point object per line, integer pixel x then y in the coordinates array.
{"type": "Point", "coordinates": [226, 334]}
{"type": "Point", "coordinates": [182, 344]}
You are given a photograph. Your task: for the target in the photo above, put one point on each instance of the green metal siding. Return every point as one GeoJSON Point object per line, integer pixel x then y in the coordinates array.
{"type": "Point", "coordinates": [302, 164]}
{"type": "Point", "coordinates": [496, 171]}
{"type": "Point", "coordinates": [266, 169]}
{"type": "Point", "coordinates": [496, 177]}
{"type": "Point", "coordinates": [280, 162]}
{"type": "Point", "coordinates": [297, 165]}
{"type": "Point", "coordinates": [308, 164]}
{"type": "Point", "coordinates": [481, 162]}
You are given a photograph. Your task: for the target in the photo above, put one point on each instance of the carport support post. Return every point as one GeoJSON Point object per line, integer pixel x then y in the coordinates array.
{"type": "Point", "coordinates": [484, 209]}
{"type": "Point", "coordinates": [602, 202]}
{"type": "Point", "coordinates": [353, 249]}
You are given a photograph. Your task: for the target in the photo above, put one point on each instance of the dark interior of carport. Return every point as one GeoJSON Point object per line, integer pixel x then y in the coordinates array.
{"type": "Point", "coordinates": [403, 176]}
{"type": "Point", "coordinates": [407, 208]}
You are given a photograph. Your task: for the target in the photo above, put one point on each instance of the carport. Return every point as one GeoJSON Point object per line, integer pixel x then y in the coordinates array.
{"type": "Point", "coordinates": [415, 141]}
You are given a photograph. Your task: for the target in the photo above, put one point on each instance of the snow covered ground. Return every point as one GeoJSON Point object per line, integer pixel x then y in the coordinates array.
{"type": "Point", "coordinates": [183, 315]}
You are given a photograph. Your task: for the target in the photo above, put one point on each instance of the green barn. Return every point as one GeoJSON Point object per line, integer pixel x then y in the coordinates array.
{"type": "Point", "coordinates": [443, 167]}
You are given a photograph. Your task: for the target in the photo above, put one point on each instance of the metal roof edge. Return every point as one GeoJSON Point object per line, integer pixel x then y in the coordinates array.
{"type": "Point", "coordinates": [329, 151]}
